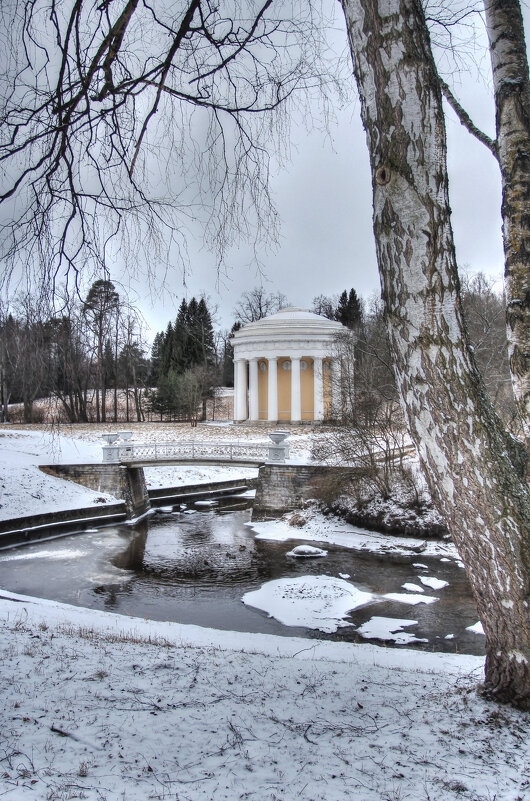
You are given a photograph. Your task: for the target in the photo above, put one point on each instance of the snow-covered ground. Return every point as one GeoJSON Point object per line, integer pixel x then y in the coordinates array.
{"type": "Point", "coordinates": [331, 529]}
{"type": "Point", "coordinates": [97, 706]}
{"type": "Point", "coordinates": [103, 707]}
{"type": "Point", "coordinates": [26, 490]}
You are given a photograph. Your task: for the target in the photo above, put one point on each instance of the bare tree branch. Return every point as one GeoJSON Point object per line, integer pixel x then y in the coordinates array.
{"type": "Point", "coordinates": [466, 120]}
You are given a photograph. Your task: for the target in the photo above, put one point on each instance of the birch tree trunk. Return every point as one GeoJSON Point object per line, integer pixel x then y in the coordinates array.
{"type": "Point", "coordinates": [474, 469]}
{"type": "Point", "coordinates": [504, 23]}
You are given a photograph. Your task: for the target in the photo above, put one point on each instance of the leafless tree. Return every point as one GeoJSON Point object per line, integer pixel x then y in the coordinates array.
{"type": "Point", "coordinates": [257, 304]}
{"type": "Point", "coordinates": [510, 147]}
{"type": "Point", "coordinates": [485, 316]}
{"type": "Point", "coordinates": [121, 123]}
{"type": "Point", "coordinates": [475, 471]}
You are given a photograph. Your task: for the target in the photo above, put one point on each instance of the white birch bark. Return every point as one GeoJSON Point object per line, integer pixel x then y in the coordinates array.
{"type": "Point", "coordinates": [504, 23]}
{"type": "Point", "coordinates": [467, 457]}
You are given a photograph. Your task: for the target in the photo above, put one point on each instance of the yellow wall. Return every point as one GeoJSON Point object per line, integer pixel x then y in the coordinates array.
{"type": "Point", "coordinates": [306, 389]}
{"type": "Point", "coordinates": [284, 391]}
{"type": "Point", "coordinates": [263, 389]}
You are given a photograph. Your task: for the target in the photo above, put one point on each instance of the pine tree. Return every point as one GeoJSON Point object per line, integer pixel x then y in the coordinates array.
{"type": "Point", "coordinates": [193, 351]}
{"type": "Point", "coordinates": [349, 309]}
{"type": "Point", "coordinates": [180, 340]}
{"type": "Point", "coordinates": [166, 350]}
{"type": "Point", "coordinates": [157, 352]}
{"type": "Point", "coordinates": [204, 331]}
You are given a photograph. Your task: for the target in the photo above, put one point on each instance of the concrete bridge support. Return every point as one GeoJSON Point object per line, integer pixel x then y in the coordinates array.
{"type": "Point", "coordinates": [284, 488]}
{"type": "Point", "coordinates": [126, 483]}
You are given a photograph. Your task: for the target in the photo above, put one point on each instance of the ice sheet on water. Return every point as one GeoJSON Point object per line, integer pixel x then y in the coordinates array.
{"type": "Point", "coordinates": [433, 583]}
{"type": "Point", "coordinates": [476, 628]}
{"type": "Point", "coordinates": [403, 598]}
{"type": "Point", "coordinates": [315, 602]}
{"type": "Point", "coordinates": [390, 629]}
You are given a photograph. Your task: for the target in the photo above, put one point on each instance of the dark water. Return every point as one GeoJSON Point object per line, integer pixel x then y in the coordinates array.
{"type": "Point", "coordinates": [194, 567]}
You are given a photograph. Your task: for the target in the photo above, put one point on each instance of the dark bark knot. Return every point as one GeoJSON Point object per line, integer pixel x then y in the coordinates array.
{"type": "Point", "coordinates": [382, 175]}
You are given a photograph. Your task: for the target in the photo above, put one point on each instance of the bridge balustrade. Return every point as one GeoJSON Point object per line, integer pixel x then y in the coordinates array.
{"type": "Point", "coordinates": [126, 452]}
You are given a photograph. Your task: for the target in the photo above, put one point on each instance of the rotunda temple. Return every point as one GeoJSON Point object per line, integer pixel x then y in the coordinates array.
{"type": "Point", "coordinates": [284, 368]}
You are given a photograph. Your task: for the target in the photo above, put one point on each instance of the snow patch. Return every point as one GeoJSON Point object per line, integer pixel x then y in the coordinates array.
{"type": "Point", "coordinates": [315, 602]}
{"type": "Point", "coordinates": [433, 583]}
{"type": "Point", "coordinates": [306, 551]}
{"type": "Point", "coordinates": [518, 656]}
{"type": "Point", "coordinates": [389, 629]}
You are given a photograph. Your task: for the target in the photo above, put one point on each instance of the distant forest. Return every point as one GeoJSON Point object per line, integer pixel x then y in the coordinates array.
{"type": "Point", "coordinates": [91, 362]}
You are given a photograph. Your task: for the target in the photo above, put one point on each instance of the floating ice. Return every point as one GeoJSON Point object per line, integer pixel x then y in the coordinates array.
{"type": "Point", "coordinates": [389, 628]}
{"type": "Point", "coordinates": [433, 583]}
{"type": "Point", "coordinates": [403, 598]}
{"type": "Point", "coordinates": [306, 550]}
{"type": "Point", "coordinates": [476, 628]}
{"type": "Point", "coordinates": [412, 587]}
{"type": "Point", "coordinates": [316, 602]}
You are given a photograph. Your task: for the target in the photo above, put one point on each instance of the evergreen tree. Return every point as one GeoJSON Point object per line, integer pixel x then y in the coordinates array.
{"type": "Point", "coordinates": [349, 310]}
{"type": "Point", "coordinates": [166, 350]}
{"type": "Point", "coordinates": [100, 308]}
{"type": "Point", "coordinates": [180, 340]}
{"type": "Point", "coordinates": [203, 329]}
{"type": "Point", "coordinates": [227, 377]}
{"type": "Point", "coordinates": [193, 350]}
{"type": "Point", "coordinates": [157, 353]}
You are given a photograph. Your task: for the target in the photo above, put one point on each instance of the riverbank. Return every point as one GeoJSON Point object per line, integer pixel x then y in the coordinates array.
{"type": "Point", "coordinates": [98, 706]}
{"type": "Point", "coordinates": [26, 491]}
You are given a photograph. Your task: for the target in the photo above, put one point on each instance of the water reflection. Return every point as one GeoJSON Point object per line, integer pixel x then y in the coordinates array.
{"type": "Point", "coordinates": [193, 566]}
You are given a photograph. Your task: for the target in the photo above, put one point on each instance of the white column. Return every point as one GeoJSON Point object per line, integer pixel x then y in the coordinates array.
{"type": "Point", "coordinates": [318, 389]}
{"type": "Point", "coordinates": [273, 390]}
{"type": "Point", "coordinates": [253, 406]}
{"type": "Point", "coordinates": [296, 397]}
{"type": "Point", "coordinates": [336, 389]}
{"type": "Point", "coordinates": [240, 389]}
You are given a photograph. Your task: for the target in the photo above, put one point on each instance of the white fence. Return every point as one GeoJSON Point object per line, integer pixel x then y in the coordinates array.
{"type": "Point", "coordinates": [120, 449]}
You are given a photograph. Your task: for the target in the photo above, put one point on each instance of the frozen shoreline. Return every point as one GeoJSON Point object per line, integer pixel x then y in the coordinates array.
{"type": "Point", "coordinates": [102, 706]}
{"type": "Point", "coordinates": [120, 707]}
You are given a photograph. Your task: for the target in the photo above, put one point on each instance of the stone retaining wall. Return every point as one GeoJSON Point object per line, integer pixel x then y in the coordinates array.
{"type": "Point", "coordinates": [283, 488]}
{"type": "Point", "coordinates": [50, 524]}
{"type": "Point", "coordinates": [126, 483]}
{"type": "Point", "coordinates": [192, 492]}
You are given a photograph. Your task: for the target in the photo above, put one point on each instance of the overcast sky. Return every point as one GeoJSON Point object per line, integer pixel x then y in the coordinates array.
{"type": "Point", "coordinates": [324, 202]}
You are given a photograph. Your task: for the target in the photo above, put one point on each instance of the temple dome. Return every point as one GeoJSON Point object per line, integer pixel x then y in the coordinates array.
{"type": "Point", "coordinates": [288, 327]}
